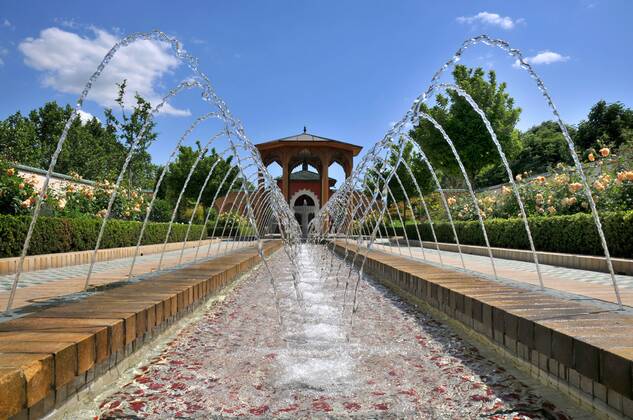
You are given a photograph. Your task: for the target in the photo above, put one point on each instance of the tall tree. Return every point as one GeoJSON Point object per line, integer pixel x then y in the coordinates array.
{"type": "Point", "coordinates": [606, 125]}
{"type": "Point", "coordinates": [90, 150]}
{"type": "Point", "coordinates": [543, 146]}
{"type": "Point", "coordinates": [465, 127]}
{"type": "Point", "coordinates": [419, 171]}
{"type": "Point", "coordinates": [138, 126]}
{"type": "Point", "coordinates": [179, 169]}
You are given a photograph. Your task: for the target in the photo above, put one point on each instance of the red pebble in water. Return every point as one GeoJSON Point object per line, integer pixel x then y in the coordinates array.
{"type": "Point", "coordinates": [392, 372]}
{"type": "Point", "coordinates": [497, 406]}
{"type": "Point", "coordinates": [377, 393]}
{"type": "Point", "coordinates": [479, 398]}
{"type": "Point", "coordinates": [439, 389]}
{"type": "Point", "coordinates": [321, 405]}
{"type": "Point", "coordinates": [155, 386]}
{"type": "Point", "coordinates": [258, 411]}
{"type": "Point", "coordinates": [137, 405]}
{"type": "Point", "coordinates": [381, 406]}
{"type": "Point", "coordinates": [115, 404]}
{"type": "Point", "coordinates": [179, 385]}
{"type": "Point", "coordinates": [410, 392]}
{"type": "Point", "coordinates": [291, 407]}
{"type": "Point", "coordinates": [258, 387]}
{"type": "Point", "coordinates": [351, 406]}
{"type": "Point", "coordinates": [271, 356]}
{"type": "Point", "coordinates": [142, 379]}
{"type": "Point", "coordinates": [139, 392]}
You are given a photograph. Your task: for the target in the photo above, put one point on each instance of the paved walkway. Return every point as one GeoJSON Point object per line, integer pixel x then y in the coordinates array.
{"type": "Point", "coordinates": [591, 284]}
{"type": "Point", "coordinates": [43, 285]}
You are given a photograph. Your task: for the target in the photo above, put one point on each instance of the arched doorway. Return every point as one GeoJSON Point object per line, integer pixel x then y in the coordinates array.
{"type": "Point", "coordinates": [304, 204]}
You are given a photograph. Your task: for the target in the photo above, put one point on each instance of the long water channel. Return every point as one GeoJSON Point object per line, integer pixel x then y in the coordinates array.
{"type": "Point", "coordinates": [233, 358]}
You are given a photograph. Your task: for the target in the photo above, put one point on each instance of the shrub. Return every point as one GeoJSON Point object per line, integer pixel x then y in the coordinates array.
{"type": "Point", "coordinates": [61, 234]}
{"type": "Point", "coordinates": [230, 224]}
{"type": "Point", "coordinates": [161, 211]}
{"type": "Point", "coordinates": [17, 194]}
{"type": "Point", "coordinates": [575, 233]}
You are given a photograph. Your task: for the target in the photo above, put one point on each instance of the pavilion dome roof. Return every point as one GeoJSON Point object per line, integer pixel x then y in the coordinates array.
{"type": "Point", "coordinates": [305, 137]}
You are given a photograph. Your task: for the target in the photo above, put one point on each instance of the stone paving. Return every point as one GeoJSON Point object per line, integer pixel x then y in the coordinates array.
{"type": "Point", "coordinates": [42, 285]}
{"type": "Point", "coordinates": [582, 282]}
{"type": "Point", "coordinates": [391, 362]}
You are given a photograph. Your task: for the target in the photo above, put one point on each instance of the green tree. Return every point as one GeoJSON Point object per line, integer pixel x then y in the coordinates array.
{"type": "Point", "coordinates": [138, 126]}
{"type": "Point", "coordinates": [543, 147]}
{"type": "Point", "coordinates": [606, 125]}
{"type": "Point", "coordinates": [18, 140]}
{"type": "Point", "coordinates": [90, 150]}
{"type": "Point", "coordinates": [419, 171]}
{"type": "Point", "coordinates": [179, 169]}
{"type": "Point", "coordinates": [465, 127]}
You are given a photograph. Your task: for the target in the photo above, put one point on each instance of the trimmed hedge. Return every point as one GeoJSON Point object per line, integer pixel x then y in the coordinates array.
{"type": "Point", "coordinates": [61, 234]}
{"type": "Point", "coordinates": [573, 234]}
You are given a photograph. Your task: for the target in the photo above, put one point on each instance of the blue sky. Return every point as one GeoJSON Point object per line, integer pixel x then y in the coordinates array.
{"type": "Point", "coordinates": [345, 69]}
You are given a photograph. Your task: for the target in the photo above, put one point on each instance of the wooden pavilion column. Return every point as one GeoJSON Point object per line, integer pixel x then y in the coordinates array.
{"type": "Point", "coordinates": [325, 180]}
{"type": "Point", "coordinates": [285, 179]}
{"type": "Point", "coordinates": [348, 167]}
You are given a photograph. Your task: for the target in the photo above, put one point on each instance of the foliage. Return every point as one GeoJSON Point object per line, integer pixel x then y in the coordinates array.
{"type": "Point", "coordinates": [91, 149]}
{"type": "Point", "coordinates": [17, 195]}
{"type": "Point", "coordinates": [544, 146]}
{"type": "Point", "coordinates": [179, 170]}
{"type": "Point", "coordinates": [63, 234]}
{"type": "Point", "coordinates": [419, 175]}
{"type": "Point", "coordinates": [230, 224]}
{"type": "Point", "coordinates": [466, 128]}
{"type": "Point", "coordinates": [575, 233]}
{"type": "Point", "coordinates": [138, 126]}
{"type": "Point", "coordinates": [77, 201]}
{"type": "Point", "coordinates": [161, 211]}
{"type": "Point", "coordinates": [607, 125]}
{"type": "Point", "coordinates": [561, 192]}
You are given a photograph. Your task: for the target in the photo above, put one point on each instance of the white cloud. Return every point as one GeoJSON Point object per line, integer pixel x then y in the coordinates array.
{"type": "Point", "coordinates": [7, 24]}
{"type": "Point", "coordinates": [544, 57]}
{"type": "Point", "coordinates": [494, 19]}
{"type": "Point", "coordinates": [67, 60]}
{"type": "Point", "coordinates": [86, 117]}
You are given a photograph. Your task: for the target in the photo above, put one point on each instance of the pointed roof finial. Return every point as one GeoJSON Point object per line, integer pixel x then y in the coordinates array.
{"type": "Point", "coordinates": [305, 130]}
